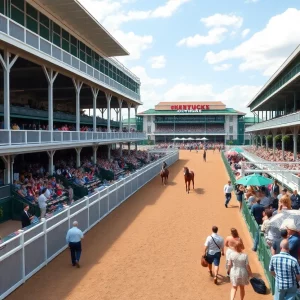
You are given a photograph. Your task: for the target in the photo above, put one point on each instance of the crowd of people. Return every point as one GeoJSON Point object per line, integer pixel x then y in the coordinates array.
{"type": "Point", "coordinates": [190, 145]}
{"type": "Point", "coordinates": [63, 127]}
{"type": "Point", "coordinates": [189, 128]}
{"type": "Point", "coordinates": [276, 156]}
{"type": "Point", "coordinates": [35, 186]}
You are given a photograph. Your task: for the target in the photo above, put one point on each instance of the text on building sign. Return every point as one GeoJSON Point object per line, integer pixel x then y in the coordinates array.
{"type": "Point", "coordinates": [190, 107]}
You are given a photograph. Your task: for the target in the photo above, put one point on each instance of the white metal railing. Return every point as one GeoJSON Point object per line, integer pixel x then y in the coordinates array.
{"type": "Point", "coordinates": [29, 251]}
{"type": "Point", "coordinates": [274, 123]}
{"type": "Point", "coordinates": [27, 137]}
{"type": "Point", "coordinates": [287, 178]}
{"type": "Point", "coordinates": [21, 34]}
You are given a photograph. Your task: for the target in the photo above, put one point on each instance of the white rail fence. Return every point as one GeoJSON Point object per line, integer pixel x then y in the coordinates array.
{"type": "Point", "coordinates": [25, 137]}
{"type": "Point", "coordinates": [287, 178]}
{"type": "Point", "coordinates": [32, 249]}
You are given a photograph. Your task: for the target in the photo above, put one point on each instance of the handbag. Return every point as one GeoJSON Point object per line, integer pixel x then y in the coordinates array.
{"type": "Point", "coordinates": [258, 285]}
{"type": "Point", "coordinates": [204, 262]}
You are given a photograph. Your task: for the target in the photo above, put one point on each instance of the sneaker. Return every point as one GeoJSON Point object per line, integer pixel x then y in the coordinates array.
{"type": "Point", "coordinates": [226, 205]}
{"type": "Point", "coordinates": [215, 280]}
{"type": "Point", "coordinates": [77, 264]}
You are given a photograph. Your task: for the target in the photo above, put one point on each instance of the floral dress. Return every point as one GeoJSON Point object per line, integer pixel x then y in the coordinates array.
{"type": "Point", "coordinates": [238, 273]}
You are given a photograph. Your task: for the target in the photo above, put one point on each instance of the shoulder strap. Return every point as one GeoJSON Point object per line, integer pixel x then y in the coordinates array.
{"type": "Point", "coordinates": [215, 242]}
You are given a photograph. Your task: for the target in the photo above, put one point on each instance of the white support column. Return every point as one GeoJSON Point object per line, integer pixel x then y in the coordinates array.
{"type": "Point", "coordinates": [128, 148]}
{"type": "Point", "coordinates": [51, 156]}
{"type": "Point", "coordinates": [78, 162]}
{"type": "Point", "coordinates": [136, 146]}
{"type": "Point", "coordinates": [78, 85]}
{"type": "Point", "coordinates": [295, 139]}
{"type": "Point", "coordinates": [7, 64]}
{"type": "Point", "coordinates": [50, 76]}
{"type": "Point", "coordinates": [95, 149]}
{"type": "Point", "coordinates": [282, 142]}
{"type": "Point", "coordinates": [274, 142]}
{"type": "Point", "coordinates": [7, 172]}
{"type": "Point", "coordinates": [108, 99]}
{"type": "Point", "coordinates": [120, 120]}
{"type": "Point", "coordinates": [95, 92]}
{"type": "Point", "coordinates": [129, 107]}
{"type": "Point", "coordinates": [109, 151]}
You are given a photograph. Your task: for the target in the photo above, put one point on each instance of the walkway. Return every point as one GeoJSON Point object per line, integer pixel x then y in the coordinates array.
{"type": "Point", "coordinates": [150, 247]}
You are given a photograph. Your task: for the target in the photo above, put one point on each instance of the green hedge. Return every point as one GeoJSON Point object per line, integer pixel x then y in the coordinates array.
{"type": "Point", "coordinates": [263, 251]}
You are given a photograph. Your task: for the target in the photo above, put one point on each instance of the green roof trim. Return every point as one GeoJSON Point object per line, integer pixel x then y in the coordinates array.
{"type": "Point", "coordinates": [250, 120]}
{"type": "Point", "coordinates": [132, 121]}
{"type": "Point", "coordinates": [172, 112]}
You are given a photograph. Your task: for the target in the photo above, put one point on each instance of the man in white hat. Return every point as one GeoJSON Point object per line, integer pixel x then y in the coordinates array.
{"type": "Point", "coordinates": [293, 238]}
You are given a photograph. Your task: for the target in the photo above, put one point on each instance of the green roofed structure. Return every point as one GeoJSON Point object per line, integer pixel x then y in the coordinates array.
{"type": "Point", "coordinates": [212, 120]}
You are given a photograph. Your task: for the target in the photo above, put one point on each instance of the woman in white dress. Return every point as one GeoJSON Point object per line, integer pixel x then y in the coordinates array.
{"type": "Point", "coordinates": [240, 271]}
{"type": "Point", "coordinates": [230, 243]}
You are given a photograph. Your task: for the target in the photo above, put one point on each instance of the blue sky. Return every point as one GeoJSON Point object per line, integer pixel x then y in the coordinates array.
{"type": "Point", "coordinates": [192, 50]}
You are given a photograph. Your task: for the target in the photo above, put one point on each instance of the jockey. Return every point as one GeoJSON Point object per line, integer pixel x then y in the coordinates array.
{"type": "Point", "coordinates": [164, 165]}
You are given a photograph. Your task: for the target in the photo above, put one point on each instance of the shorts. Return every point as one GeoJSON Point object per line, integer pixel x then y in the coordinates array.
{"type": "Point", "coordinates": [239, 198]}
{"type": "Point", "coordinates": [215, 258]}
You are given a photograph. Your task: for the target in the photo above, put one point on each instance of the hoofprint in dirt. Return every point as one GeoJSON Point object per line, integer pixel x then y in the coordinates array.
{"type": "Point", "coordinates": [150, 247]}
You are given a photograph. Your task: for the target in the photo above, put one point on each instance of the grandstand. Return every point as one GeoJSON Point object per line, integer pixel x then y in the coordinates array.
{"type": "Point", "coordinates": [59, 82]}
{"type": "Point", "coordinates": [276, 108]}
{"type": "Point", "coordinates": [212, 120]}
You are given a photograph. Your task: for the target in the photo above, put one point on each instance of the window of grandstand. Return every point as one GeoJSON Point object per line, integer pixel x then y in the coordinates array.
{"type": "Point", "coordinates": [149, 129]}
{"type": "Point", "coordinates": [26, 15]}
{"type": "Point", "coordinates": [230, 118]}
{"type": "Point", "coordinates": [230, 129]}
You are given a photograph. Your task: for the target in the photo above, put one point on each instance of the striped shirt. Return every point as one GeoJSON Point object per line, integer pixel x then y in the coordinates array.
{"type": "Point", "coordinates": [286, 268]}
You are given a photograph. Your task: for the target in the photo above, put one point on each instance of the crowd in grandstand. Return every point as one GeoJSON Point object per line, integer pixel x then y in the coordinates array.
{"type": "Point", "coordinates": [190, 145]}
{"type": "Point", "coordinates": [189, 129]}
{"type": "Point", "coordinates": [64, 127]}
{"type": "Point", "coordinates": [34, 179]}
{"type": "Point", "coordinates": [276, 156]}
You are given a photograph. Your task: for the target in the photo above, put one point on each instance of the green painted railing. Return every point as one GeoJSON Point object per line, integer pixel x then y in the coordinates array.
{"type": "Point", "coordinates": [263, 251]}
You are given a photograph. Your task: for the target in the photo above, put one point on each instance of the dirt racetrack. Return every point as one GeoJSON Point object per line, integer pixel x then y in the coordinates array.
{"type": "Point", "coordinates": [150, 247]}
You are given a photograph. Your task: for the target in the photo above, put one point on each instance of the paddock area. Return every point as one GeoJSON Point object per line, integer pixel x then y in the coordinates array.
{"type": "Point", "coordinates": [150, 247]}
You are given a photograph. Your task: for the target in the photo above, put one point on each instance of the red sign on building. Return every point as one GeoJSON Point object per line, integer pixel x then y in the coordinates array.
{"type": "Point", "coordinates": [190, 107]}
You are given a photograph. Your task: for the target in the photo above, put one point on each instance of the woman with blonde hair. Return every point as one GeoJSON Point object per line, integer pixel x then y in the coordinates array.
{"type": "Point", "coordinates": [230, 243]}
{"type": "Point", "coordinates": [240, 271]}
{"type": "Point", "coordinates": [285, 203]}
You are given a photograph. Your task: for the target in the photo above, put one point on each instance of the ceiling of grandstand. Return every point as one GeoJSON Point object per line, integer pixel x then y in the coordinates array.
{"type": "Point", "coordinates": [28, 79]}
{"type": "Point", "coordinates": [284, 99]}
{"type": "Point", "coordinates": [76, 17]}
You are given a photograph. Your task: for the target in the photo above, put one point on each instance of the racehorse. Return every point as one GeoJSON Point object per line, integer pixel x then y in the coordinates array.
{"type": "Point", "coordinates": [188, 177]}
{"type": "Point", "coordinates": [164, 174]}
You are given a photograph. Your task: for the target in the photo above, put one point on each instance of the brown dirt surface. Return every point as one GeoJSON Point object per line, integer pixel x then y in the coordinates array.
{"type": "Point", "coordinates": [150, 247]}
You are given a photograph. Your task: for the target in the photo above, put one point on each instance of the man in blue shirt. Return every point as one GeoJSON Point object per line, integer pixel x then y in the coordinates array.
{"type": "Point", "coordinates": [286, 271]}
{"type": "Point", "coordinates": [257, 210]}
{"type": "Point", "coordinates": [74, 237]}
{"type": "Point", "coordinates": [294, 240]}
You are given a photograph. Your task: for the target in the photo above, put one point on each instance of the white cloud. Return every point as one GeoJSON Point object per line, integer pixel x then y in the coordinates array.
{"type": "Point", "coordinates": [111, 14]}
{"type": "Point", "coordinates": [158, 62]}
{"type": "Point", "coordinates": [222, 67]}
{"type": "Point", "coordinates": [219, 26]}
{"type": "Point", "coordinates": [135, 44]}
{"type": "Point", "coordinates": [267, 49]}
{"type": "Point", "coordinates": [150, 88]}
{"type": "Point", "coordinates": [214, 36]}
{"type": "Point", "coordinates": [219, 20]}
{"type": "Point", "coordinates": [245, 32]}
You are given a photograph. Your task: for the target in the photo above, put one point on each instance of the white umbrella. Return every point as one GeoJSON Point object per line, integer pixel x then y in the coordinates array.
{"type": "Point", "coordinates": [190, 139]}
{"type": "Point", "coordinates": [176, 139]}
{"type": "Point", "coordinates": [198, 139]}
{"type": "Point", "coordinates": [282, 219]}
{"type": "Point", "coordinates": [183, 139]}
{"type": "Point", "coordinates": [204, 139]}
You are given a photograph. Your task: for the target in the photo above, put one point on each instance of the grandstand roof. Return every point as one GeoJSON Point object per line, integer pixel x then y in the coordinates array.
{"type": "Point", "coordinates": [281, 69]}
{"type": "Point", "coordinates": [227, 111]}
{"type": "Point", "coordinates": [74, 14]}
